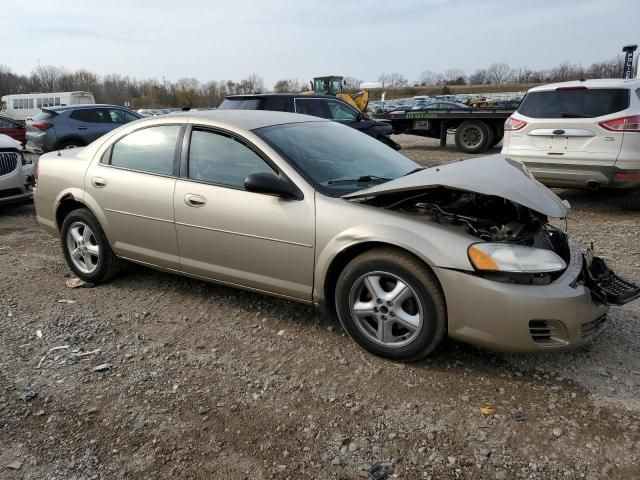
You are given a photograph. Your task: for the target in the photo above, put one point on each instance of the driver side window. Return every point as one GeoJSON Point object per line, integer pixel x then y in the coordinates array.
{"type": "Point", "coordinates": [223, 160]}
{"type": "Point", "coordinates": [341, 111]}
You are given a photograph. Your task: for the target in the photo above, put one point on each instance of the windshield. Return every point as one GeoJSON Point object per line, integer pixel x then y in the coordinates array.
{"type": "Point", "coordinates": [334, 158]}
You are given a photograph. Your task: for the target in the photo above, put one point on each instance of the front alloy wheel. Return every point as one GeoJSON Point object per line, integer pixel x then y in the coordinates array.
{"type": "Point", "coordinates": [386, 309]}
{"type": "Point", "coordinates": [391, 304]}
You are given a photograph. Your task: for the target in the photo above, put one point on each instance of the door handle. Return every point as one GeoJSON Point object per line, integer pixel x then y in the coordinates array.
{"type": "Point", "coordinates": [193, 200]}
{"type": "Point", "coordinates": [82, 128]}
{"type": "Point", "coordinates": [98, 182]}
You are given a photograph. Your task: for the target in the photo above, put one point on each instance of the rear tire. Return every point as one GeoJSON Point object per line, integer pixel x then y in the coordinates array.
{"type": "Point", "coordinates": [473, 136]}
{"type": "Point", "coordinates": [391, 304]}
{"type": "Point", "coordinates": [70, 144]}
{"type": "Point", "coordinates": [86, 248]}
{"type": "Point", "coordinates": [630, 200]}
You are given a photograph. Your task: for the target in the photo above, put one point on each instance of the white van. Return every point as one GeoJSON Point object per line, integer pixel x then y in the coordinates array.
{"type": "Point", "coordinates": [23, 106]}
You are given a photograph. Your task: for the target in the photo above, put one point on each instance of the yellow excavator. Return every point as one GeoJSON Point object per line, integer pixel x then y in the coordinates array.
{"type": "Point", "coordinates": [334, 85]}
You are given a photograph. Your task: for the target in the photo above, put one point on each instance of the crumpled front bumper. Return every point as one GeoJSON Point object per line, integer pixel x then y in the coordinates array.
{"type": "Point", "coordinates": [565, 314]}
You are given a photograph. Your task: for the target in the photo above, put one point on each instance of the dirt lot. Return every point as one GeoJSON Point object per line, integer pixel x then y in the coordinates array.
{"type": "Point", "coordinates": [203, 381]}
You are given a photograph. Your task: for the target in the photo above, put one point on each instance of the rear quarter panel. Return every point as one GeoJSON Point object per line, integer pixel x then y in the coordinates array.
{"type": "Point", "coordinates": [60, 174]}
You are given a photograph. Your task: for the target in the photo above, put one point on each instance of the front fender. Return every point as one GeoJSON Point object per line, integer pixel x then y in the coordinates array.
{"type": "Point", "coordinates": [445, 248]}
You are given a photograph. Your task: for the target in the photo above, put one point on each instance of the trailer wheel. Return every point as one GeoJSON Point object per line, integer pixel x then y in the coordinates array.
{"type": "Point", "coordinates": [473, 136]}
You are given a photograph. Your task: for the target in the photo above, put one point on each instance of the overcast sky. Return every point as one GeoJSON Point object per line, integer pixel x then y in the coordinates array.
{"type": "Point", "coordinates": [214, 40]}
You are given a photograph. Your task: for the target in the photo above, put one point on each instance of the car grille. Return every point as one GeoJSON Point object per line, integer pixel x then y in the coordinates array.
{"type": "Point", "coordinates": [595, 326]}
{"type": "Point", "coordinates": [10, 192]}
{"type": "Point", "coordinates": [547, 332]}
{"type": "Point", "coordinates": [8, 162]}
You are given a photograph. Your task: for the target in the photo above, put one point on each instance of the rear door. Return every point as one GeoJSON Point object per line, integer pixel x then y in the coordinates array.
{"type": "Point", "coordinates": [563, 126]}
{"type": "Point", "coordinates": [133, 183]}
{"type": "Point", "coordinates": [90, 123]}
{"type": "Point", "coordinates": [120, 117]}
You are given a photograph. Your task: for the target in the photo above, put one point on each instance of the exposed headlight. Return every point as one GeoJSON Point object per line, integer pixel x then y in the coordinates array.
{"type": "Point", "coordinates": [504, 257]}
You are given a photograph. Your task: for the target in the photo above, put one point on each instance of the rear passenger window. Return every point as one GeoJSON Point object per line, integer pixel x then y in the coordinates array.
{"type": "Point", "coordinates": [316, 107]}
{"type": "Point", "coordinates": [91, 115]}
{"type": "Point", "coordinates": [223, 160]}
{"type": "Point", "coordinates": [148, 150]}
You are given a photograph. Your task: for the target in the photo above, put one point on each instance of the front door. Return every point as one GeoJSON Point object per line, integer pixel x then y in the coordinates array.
{"type": "Point", "coordinates": [228, 234]}
{"type": "Point", "coordinates": [133, 185]}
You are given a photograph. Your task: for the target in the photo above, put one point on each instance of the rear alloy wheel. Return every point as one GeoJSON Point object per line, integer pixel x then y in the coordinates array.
{"type": "Point", "coordinates": [391, 304]}
{"type": "Point", "coordinates": [86, 248]}
{"type": "Point", "coordinates": [70, 144]}
{"type": "Point", "coordinates": [473, 137]}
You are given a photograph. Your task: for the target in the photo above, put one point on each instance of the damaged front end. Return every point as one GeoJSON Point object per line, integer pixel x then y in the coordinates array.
{"type": "Point", "coordinates": [498, 201]}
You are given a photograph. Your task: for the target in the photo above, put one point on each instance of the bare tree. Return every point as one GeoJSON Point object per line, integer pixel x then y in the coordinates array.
{"type": "Point", "coordinates": [352, 83]}
{"type": "Point", "coordinates": [479, 77]}
{"type": "Point", "coordinates": [454, 75]}
{"type": "Point", "coordinates": [393, 80]}
{"type": "Point", "coordinates": [48, 78]}
{"type": "Point", "coordinates": [288, 85]}
{"type": "Point", "coordinates": [498, 73]}
{"type": "Point", "coordinates": [428, 77]}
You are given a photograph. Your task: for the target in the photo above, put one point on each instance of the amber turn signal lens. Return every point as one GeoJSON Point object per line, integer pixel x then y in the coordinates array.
{"type": "Point", "coordinates": [482, 261]}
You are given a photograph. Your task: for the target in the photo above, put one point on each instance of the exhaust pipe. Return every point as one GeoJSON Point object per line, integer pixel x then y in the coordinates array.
{"type": "Point", "coordinates": [593, 186]}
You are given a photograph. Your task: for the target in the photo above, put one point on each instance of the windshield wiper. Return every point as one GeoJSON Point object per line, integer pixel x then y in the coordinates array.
{"type": "Point", "coordinates": [362, 179]}
{"type": "Point", "coordinates": [414, 171]}
{"type": "Point", "coordinates": [572, 115]}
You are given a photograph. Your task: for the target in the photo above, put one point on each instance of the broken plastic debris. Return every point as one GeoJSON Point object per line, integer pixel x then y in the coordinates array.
{"type": "Point", "coordinates": [39, 333]}
{"type": "Point", "coordinates": [66, 300]}
{"type": "Point", "coordinates": [487, 410]}
{"type": "Point", "coordinates": [75, 282]}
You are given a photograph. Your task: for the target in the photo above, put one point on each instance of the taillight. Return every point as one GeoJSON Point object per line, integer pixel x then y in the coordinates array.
{"type": "Point", "coordinates": [44, 126]}
{"type": "Point", "coordinates": [513, 124]}
{"type": "Point", "coordinates": [625, 124]}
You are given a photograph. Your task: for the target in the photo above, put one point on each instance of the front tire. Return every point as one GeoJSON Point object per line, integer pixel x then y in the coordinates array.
{"type": "Point", "coordinates": [86, 248]}
{"type": "Point", "coordinates": [391, 304]}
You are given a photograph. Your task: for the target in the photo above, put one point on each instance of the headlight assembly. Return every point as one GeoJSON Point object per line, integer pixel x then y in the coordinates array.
{"type": "Point", "coordinates": [504, 257]}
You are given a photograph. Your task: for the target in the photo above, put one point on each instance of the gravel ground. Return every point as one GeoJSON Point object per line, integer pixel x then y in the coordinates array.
{"type": "Point", "coordinates": [158, 376]}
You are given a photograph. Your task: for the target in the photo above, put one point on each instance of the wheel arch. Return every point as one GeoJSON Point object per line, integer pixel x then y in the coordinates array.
{"type": "Point", "coordinates": [72, 200]}
{"type": "Point", "coordinates": [326, 299]}
{"type": "Point", "coordinates": [67, 138]}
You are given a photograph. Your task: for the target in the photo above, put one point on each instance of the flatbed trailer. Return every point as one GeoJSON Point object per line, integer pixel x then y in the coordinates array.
{"type": "Point", "coordinates": [476, 129]}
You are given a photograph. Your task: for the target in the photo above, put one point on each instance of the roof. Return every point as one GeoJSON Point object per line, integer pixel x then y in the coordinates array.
{"type": "Point", "coordinates": [247, 119]}
{"type": "Point", "coordinates": [594, 83]}
{"type": "Point", "coordinates": [81, 106]}
{"type": "Point", "coordinates": [284, 95]}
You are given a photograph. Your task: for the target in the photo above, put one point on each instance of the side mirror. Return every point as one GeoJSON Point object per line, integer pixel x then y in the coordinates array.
{"type": "Point", "coordinates": [270, 184]}
{"type": "Point", "coordinates": [359, 117]}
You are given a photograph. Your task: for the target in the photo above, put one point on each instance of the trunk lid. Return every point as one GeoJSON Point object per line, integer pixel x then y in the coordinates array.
{"type": "Point", "coordinates": [492, 175]}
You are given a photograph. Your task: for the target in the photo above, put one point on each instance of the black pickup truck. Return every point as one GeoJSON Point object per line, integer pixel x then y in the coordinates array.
{"type": "Point", "coordinates": [324, 106]}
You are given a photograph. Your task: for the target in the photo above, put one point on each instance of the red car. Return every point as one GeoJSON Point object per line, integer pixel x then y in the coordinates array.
{"type": "Point", "coordinates": [13, 129]}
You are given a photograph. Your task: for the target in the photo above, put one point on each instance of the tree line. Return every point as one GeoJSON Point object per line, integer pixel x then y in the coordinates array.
{"type": "Point", "coordinates": [189, 92]}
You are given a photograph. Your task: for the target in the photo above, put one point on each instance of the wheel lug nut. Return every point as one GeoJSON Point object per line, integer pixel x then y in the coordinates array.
{"type": "Point", "coordinates": [389, 304]}
{"type": "Point", "coordinates": [384, 317]}
{"type": "Point", "coordinates": [378, 301]}
{"type": "Point", "coordinates": [375, 309]}
{"type": "Point", "coordinates": [391, 314]}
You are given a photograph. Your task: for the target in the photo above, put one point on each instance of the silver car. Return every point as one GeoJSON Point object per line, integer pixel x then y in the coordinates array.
{"type": "Point", "coordinates": [16, 172]}
{"type": "Point", "coordinates": [314, 211]}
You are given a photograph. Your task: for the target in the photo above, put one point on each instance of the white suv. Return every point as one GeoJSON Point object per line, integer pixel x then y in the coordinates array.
{"type": "Point", "coordinates": [582, 134]}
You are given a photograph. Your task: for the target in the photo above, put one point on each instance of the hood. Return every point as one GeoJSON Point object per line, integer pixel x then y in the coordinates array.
{"type": "Point", "coordinates": [492, 175]}
{"type": "Point", "coordinates": [8, 142]}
